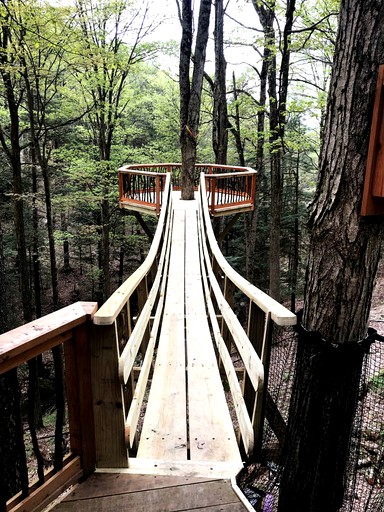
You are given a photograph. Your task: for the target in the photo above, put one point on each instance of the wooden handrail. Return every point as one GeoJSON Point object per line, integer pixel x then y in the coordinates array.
{"type": "Point", "coordinates": [109, 311]}
{"type": "Point", "coordinates": [70, 326]}
{"type": "Point", "coordinates": [279, 313]}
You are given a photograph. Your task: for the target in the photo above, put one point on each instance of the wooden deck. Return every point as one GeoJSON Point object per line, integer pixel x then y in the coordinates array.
{"type": "Point", "coordinates": [146, 493]}
{"type": "Point", "coordinates": [188, 450]}
{"type": "Point", "coordinates": [187, 417]}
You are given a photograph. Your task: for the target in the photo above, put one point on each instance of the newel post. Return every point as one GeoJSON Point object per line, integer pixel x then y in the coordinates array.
{"type": "Point", "coordinates": [77, 352]}
{"type": "Point", "coordinates": [108, 399]}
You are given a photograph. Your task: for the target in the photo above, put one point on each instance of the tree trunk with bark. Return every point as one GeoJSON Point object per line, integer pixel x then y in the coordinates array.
{"type": "Point", "coordinates": [251, 221]}
{"type": "Point", "coordinates": [277, 92]}
{"type": "Point", "coordinates": [220, 112]}
{"type": "Point", "coordinates": [343, 258]}
{"type": "Point", "coordinates": [190, 92]}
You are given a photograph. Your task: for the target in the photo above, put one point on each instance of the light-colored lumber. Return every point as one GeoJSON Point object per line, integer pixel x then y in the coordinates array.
{"type": "Point", "coordinates": [279, 314]}
{"type": "Point", "coordinates": [212, 436]}
{"type": "Point", "coordinates": [42, 496]}
{"type": "Point", "coordinates": [137, 401]}
{"type": "Point", "coordinates": [30, 340]}
{"type": "Point", "coordinates": [109, 484]}
{"type": "Point", "coordinates": [164, 433]}
{"type": "Point", "coordinates": [108, 400]}
{"type": "Point", "coordinates": [112, 307]}
{"type": "Point", "coordinates": [128, 356]}
{"type": "Point", "coordinates": [213, 495]}
{"type": "Point", "coordinates": [186, 468]}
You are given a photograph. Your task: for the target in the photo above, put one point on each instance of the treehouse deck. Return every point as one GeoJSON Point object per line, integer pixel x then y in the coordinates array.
{"type": "Point", "coordinates": [150, 422]}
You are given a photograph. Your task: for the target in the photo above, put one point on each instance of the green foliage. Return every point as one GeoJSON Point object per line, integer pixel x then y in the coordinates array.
{"type": "Point", "coordinates": [377, 382]}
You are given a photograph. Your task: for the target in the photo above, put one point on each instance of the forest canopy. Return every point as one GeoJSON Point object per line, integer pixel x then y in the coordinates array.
{"type": "Point", "coordinates": [87, 86]}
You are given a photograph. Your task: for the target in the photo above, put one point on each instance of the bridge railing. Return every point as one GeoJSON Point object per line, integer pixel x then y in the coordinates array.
{"type": "Point", "coordinates": [229, 188]}
{"type": "Point", "coordinates": [263, 314]}
{"type": "Point", "coordinates": [62, 339]}
{"type": "Point", "coordinates": [127, 315]}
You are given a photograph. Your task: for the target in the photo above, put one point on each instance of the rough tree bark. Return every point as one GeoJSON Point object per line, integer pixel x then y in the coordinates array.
{"type": "Point", "coordinates": [251, 220]}
{"type": "Point", "coordinates": [343, 259]}
{"type": "Point", "coordinates": [190, 92]}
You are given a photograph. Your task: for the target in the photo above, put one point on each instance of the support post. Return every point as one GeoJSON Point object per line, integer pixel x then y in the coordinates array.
{"type": "Point", "coordinates": [108, 400]}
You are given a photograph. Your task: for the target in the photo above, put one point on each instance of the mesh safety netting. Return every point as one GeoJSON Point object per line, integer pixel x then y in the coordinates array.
{"type": "Point", "coordinates": [364, 477]}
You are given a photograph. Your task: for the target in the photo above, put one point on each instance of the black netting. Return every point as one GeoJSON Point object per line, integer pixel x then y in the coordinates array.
{"type": "Point", "coordinates": [260, 481]}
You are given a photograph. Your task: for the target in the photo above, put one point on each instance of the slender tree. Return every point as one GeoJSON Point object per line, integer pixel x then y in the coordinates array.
{"type": "Point", "coordinates": [220, 124]}
{"type": "Point", "coordinates": [112, 34]}
{"type": "Point", "coordinates": [342, 264]}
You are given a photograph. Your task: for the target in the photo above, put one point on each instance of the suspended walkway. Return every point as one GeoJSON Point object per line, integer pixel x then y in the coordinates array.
{"type": "Point", "coordinates": [156, 404]}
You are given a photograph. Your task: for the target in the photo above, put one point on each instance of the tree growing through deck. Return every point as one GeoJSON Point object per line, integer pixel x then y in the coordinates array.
{"type": "Point", "coordinates": [190, 91]}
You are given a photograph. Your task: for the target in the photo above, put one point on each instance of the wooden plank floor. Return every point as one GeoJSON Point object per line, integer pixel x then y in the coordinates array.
{"type": "Point", "coordinates": [188, 450]}
{"type": "Point", "coordinates": [146, 493]}
{"type": "Point", "coordinates": [187, 416]}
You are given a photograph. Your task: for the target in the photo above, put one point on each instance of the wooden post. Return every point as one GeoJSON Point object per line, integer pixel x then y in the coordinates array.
{"type": "Point", "coordinates": [108, 400]}
{"type": "Point", "coordinates": [157, 193]}
{"type": "Point", "coordinates": [213, 193]}
{"type": "Point", "coordinates": [142, 296]}
{"type": "Point", "coordinates": [79, 396]}
{"type": "Point", "coordinates": [259, 333]}
{"type": "Point", "coordinates": [229, 292]}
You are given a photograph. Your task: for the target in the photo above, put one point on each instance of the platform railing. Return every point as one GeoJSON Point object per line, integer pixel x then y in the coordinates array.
{"type": "Point", "coordinates": [67, 332]}
{"type": "Point", "coordinates": [229, 188]}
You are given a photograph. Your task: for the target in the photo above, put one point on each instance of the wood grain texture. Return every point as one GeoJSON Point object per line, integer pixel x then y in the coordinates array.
{"type": "Point", "coordinates": [212, 436]}
{"type": "Point", "coordinates": [164, 433]}
{"type": "Point", "coordinates": [171, 496]}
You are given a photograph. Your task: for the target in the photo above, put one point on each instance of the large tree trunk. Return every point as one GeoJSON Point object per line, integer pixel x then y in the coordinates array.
{"type": "Point", "coordinates": [3, 286]}
{"type": "Point", "coordinates": [343, 258]}
{"type": "Point", "coordinates": [190, 94]}
{"type": "Point", "coordinates": [252, 218]}
{"type": "Point", "coordinates": [13, 464]}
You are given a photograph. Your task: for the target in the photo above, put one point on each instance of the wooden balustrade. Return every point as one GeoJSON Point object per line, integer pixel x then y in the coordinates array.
{"type": "Point", "coordinates": [263, 313]}
{"type": "Point", "coordinates": [127, 313]}
{"type": "Point", "coordinates": [230, 188]}
{"type": "Point", "coordinates": [69, 328]}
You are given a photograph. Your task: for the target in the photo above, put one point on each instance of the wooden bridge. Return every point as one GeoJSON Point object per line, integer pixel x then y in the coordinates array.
{"type": "Point", "coordinates": [158, 414]}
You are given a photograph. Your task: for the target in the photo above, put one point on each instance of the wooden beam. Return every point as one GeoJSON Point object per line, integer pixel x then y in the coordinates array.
{"type": "Point", "coordinates": [51, 489]}
{"type": "Point", "coordinates": [30, 340]}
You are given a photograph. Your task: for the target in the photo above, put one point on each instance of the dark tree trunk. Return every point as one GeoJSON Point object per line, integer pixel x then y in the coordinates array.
{"type": "Point", "coordinates": [13, 153]}
{"type": "Point", "coordinates": [60, 406]}
{"type": "Point", "coordinates": [3, 286]}
{"type": "Point", "coordinates": [343, 258]}
{"type": "Point", "coordinates": [105, 250]}
{"type": "Point", "coordinates": [277, 114]}
{"type": "Point", "coordinates": [66, 255]}
{"type": "Point", "coordinates": [236, 128]}
{"type": "Point", "coordinates": [51, 237]}
{"type": "Point", "coordinates": [13, 464]}
{"type": "Point", "coordinates": [220, 113]}
{"type": "Point", "coordinates": [190, 94]}
{"type": "Point", "coordinates": [252, 217]}
{"type": "Point", "coordinates": [35, 224]}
